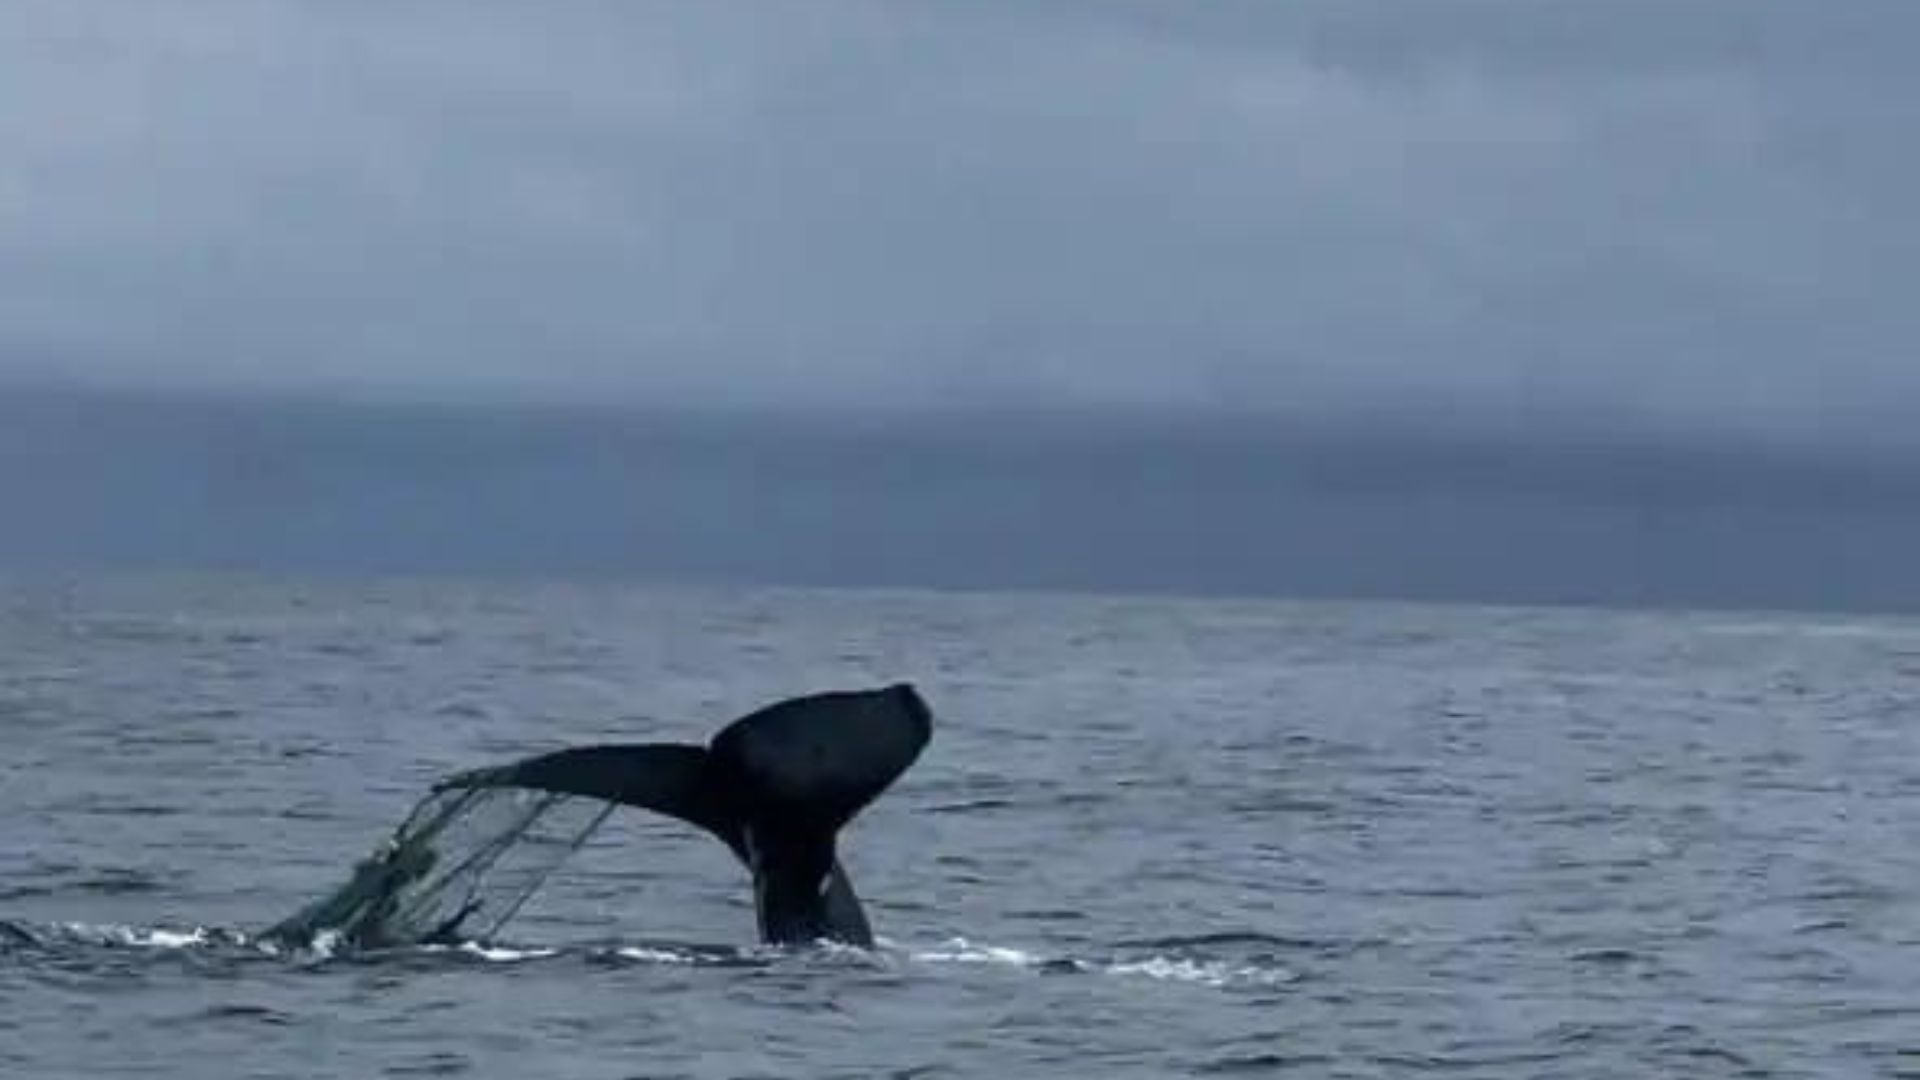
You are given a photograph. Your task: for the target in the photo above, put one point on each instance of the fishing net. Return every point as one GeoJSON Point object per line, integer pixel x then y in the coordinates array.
{"type": "Point", "coordinates": [461, 864]}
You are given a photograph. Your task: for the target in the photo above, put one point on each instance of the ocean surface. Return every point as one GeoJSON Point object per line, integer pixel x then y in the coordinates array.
{"type": "Point", "coordinates": [1151, 837]}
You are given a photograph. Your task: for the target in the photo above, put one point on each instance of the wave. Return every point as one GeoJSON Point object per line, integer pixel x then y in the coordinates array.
{"type": "Point", "coordinates": [1176, 961]}
{"type": "Point", "coordinates": [105, 883]}
{"type": "Point", "coordinates": [1205, 971]}
{"type": "Point", "coordinates": [1223, 938]}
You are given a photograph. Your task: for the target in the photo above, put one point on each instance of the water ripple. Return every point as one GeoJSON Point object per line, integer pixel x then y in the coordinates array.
{"type": "Point", "coordinates": [1151, 837]}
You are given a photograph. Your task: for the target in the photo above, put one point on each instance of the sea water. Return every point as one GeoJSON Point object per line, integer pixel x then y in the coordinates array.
{"type": "Point", "coordinates": [1151, 837]}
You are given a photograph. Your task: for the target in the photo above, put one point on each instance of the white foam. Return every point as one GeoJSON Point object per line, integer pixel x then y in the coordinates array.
{"type": "Point", "coordinates": [840, 950]}
{"type": "Point", "coordinates": [138, 937]}
{"type": "Point", "coordinates": [500, 954]}
{"type": "Point", "coordinates": [653, 956]}
{"type": "Point", "coordinates": [961, 951]}
{"type": "Point", "coordinates": [325, 943]}
{"type": "Point", "coordinates": [1204, 972]}
{"type": "Point", "coordinates": [1172, 969]}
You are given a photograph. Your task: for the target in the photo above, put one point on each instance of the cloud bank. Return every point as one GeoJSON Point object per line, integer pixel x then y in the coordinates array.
{"type": "Point", "coordinates": [1676, 214]}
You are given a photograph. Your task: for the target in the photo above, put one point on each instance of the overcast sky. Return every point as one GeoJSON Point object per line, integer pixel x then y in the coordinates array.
{"type": "Point", "coordinates": [1688, 213]}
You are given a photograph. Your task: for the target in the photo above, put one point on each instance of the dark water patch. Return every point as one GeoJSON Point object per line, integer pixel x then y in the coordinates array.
{"type": "Point", "coordinates": [102, 882]}
{"type": "Point", "coordinates": [1438, 892]}
{"type": "Point", "coordinates": [1712, 1052]}
{"type": "Point", "coordinates": [1297, 744]}
{"type": "Point", "coordinates": [302, 751]}
{"type": "Point", "coordinates": [1570, 1033]}
{"type": "Point", "coordinates": [1851, 891]}
{"type": "Point", "coordinates": [1223, 939]}
{"type": "Point", "coordinates": [251, 1014]}
{"type": "Point", "coordinates": [1608, 957]}
{"type": "Point", "coordinates": [969, 784]}
{"type": "Point", "coordinates": [442, 1063]}
{"type": "Point", "coordinates": [168, 738]}
{"type": "Point", "coordinates": [110, 809]}
{"type": "Point", "coordinates": [1249, 1064]}
{"type": "Point", "coordinates": [120, 883]}
{"type": "Point", "coordinates": [1277, 803]}
{"type": "Point", "coordinates": [1049, 915]}
{"type": "Point", "coordinates": [1850, 1012]}
{"type": "Point", "coordinates": [970, 806]}
{"type": "Point", "coordinates": [351, 650]}
{"type": "Point", "coordinates": [1467, 1063]}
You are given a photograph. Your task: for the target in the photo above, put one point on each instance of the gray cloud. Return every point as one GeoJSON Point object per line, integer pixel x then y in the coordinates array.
{"type": "Point", "coordinates": [1675, 213]}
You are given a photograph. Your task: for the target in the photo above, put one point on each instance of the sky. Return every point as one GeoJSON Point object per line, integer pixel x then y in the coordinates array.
{"type": "Point", "coordinates": [1676, 215]}
{"type": "Point", "coordinates": [1599, 301]}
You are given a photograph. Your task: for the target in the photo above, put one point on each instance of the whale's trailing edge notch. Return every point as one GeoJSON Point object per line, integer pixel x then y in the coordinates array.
{"type": "Point", "coordinates": [775, 786]}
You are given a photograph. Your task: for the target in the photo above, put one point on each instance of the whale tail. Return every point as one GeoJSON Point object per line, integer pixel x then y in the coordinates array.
{"type": "Point", "coordinates": [775, 786]}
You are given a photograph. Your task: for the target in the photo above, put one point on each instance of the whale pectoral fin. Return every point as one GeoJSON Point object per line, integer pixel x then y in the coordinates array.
{"type": "Point", "coordinates": [668, 778]}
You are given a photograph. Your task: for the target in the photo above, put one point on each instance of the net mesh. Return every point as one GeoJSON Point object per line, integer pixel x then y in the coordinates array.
{"type": "Point", "coordinates": [464, 861]}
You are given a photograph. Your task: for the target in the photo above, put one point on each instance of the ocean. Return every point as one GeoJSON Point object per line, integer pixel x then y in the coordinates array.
{"type": "Point", "coordinates": [1151, 837]}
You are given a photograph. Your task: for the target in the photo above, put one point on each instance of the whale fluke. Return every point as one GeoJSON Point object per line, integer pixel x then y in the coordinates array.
{"type": "Point", "coordinates": [775, 786]}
